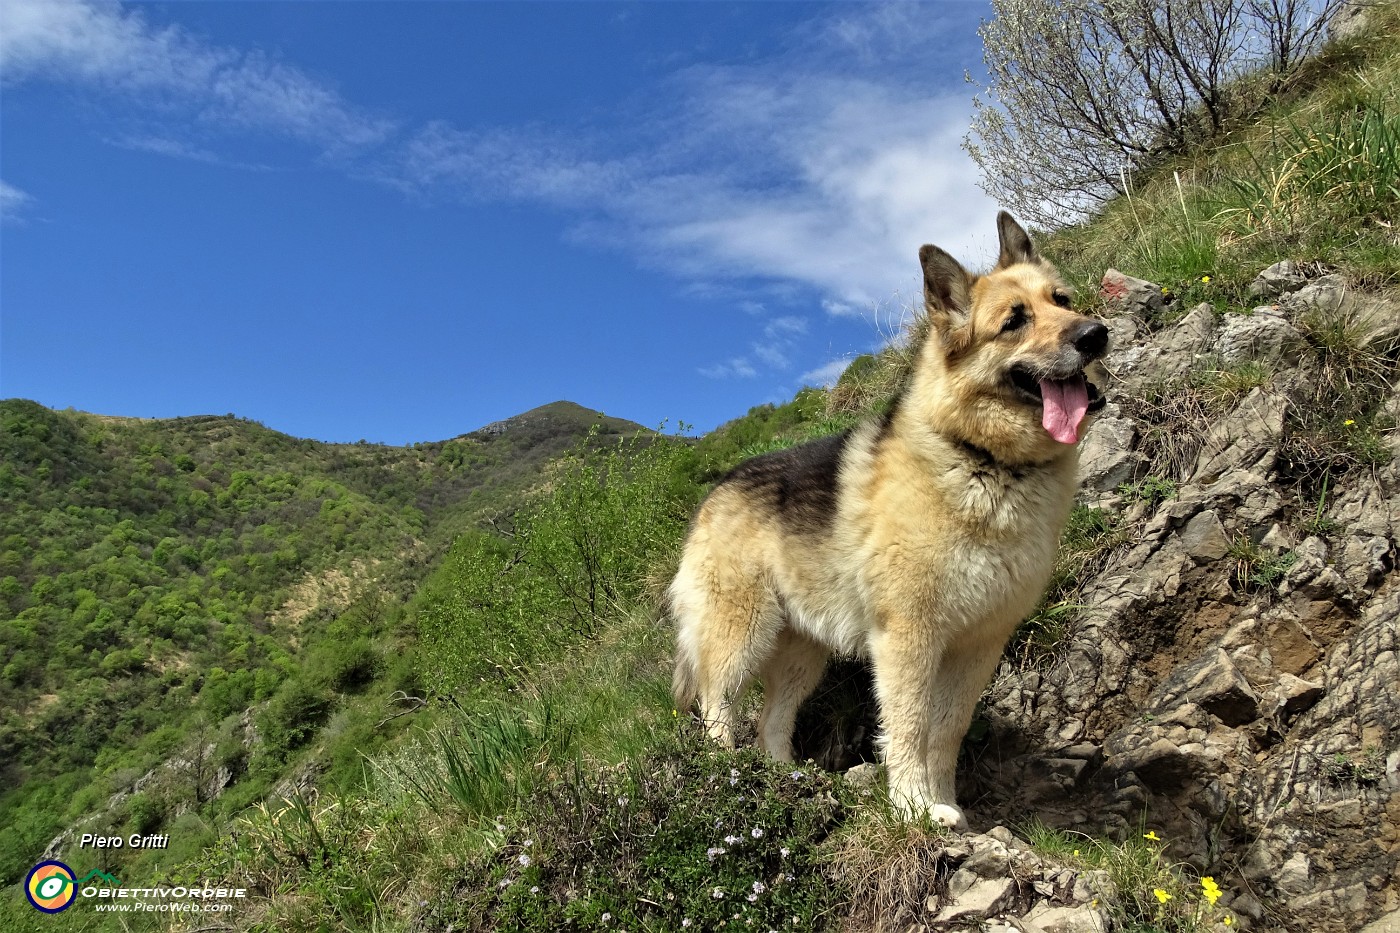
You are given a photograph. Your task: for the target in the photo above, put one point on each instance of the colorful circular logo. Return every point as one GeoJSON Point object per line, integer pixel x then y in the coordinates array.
{"type": "Point", "coordinates": [50, 887]}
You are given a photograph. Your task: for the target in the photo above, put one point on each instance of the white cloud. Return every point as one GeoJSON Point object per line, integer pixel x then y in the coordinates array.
{"type": "Point", "coordinates": [13, 203]}
{"type": "Point", "coordinates": [826, 168]}
{"type": "Point", "coordinates": [179, 149]}
{"type": "Point", "coordinates": [736, 368]}
{"type": "Point", "coordinates": [816, 173]}
{"type": "Point", "coordinates": [785, 327]}
{"type": "Point", "coordinates": [826, 374]}
{"type": "Point", "coordinates": [115, 50]}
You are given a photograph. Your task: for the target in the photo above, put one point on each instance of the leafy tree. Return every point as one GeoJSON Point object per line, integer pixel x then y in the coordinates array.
{"type": "Point", "coordinates": [1084, 92]}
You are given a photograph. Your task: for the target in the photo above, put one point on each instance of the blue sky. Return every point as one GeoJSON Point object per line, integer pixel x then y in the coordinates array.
{"type": "Point", "coordinates": [401, 221]}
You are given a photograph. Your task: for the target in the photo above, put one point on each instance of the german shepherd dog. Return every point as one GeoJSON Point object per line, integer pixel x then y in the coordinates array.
{"type": "Point", "coordinates": [919, 539]}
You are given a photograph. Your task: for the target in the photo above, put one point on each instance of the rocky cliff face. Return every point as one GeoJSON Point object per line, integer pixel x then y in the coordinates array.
{"type": "Point", "coordinates": [1231, 681]}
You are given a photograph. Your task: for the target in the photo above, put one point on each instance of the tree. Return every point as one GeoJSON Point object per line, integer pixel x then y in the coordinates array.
{"type": "Point", "coordinates": [1084, 92]}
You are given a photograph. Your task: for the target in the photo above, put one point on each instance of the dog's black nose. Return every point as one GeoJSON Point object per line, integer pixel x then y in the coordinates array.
{"type": "Point", "coordinates": [1090, 338]}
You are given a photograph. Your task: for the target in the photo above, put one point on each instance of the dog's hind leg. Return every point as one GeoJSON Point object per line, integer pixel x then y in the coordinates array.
{"type": "Point", "coordinates": [789, 676]}
{"type": "Point", "coordinates": [730, 621]}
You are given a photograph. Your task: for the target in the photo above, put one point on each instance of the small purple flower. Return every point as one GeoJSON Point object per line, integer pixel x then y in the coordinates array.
{"type": "Point", "coordinates": [524, 860]}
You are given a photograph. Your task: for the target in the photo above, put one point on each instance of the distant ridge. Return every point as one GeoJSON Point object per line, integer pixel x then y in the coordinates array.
{"type": "Point", "coordinates": [560, 414]}
{"type": "Point", "coordinates": [564, 416]}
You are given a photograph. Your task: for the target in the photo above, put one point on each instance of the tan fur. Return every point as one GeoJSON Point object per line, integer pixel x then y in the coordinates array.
{"type": "Point", "coordinates": [932, 553]}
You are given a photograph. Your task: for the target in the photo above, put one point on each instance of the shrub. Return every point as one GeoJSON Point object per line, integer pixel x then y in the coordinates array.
{"type": "Point", "coordinates": [292, 716]}
{"type": "Point", "coordinates": [741, 844]}
{"type": "Point", "coordinates": [580, 553]}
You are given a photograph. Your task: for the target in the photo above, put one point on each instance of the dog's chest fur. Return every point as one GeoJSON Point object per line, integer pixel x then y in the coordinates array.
{"type": "Point", "coordinates": [946, 538]}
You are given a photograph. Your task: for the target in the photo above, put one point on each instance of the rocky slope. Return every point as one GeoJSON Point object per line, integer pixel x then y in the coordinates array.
{"type": "Point", "coordinates": [1232, 680]}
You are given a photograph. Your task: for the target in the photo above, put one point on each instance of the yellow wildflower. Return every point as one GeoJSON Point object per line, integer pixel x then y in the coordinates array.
{"type": "Point", "coordinates": [1228, 920]}
{"type": "Point", "coordinates": [1210, 890]}
{"type": "Point", "coordinates": [1205, 278]}
{"type": "Point", "coordinates": [1161, 895]}
{"type": "Point", "coordinates": [1349, 422]}
{"type": "Point", "coordinates": [1152, 835]}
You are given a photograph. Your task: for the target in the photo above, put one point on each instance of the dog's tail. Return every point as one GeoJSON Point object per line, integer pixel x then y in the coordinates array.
{"type": "Point", "coordinates": [685, 682]}
{"type": "Point", "coordinates": [685, 686]}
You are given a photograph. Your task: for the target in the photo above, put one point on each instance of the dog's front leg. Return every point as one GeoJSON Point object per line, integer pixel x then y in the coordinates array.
{"type": "Point", "coordinates": [927, 694]}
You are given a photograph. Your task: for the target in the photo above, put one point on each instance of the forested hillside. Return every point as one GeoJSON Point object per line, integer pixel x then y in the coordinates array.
{"type": "Point", "coordinates": [158, 578]}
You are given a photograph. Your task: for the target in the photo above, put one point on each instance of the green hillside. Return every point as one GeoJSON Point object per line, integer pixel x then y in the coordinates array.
{"type": "Point", "coordinates": [160, 577]}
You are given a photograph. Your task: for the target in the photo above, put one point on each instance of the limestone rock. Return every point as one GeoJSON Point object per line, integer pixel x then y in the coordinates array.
{"type": "Point", "coordinates": [983, 898]}
{"type": "Point", "coordinates": [1125, 294]}
{"type": "Point", "coordinates": [1373, 319]}
{"type": "Point", "coordinates": [1083, 919]}
{"type": "Point", "coordinates": [1281, 277]}
{"type": "Point", "coordinates": [1215, 684]}
{"type": "Point", "coordinates": [1295, 695]}
{"type": "Point", "coordinates": [1264, 334]}
{"type": "Point", "coordinates": [1250, 434]}
{"type": "Point", "coordinates": [1295, 873]}
{"type": "Point", "coordinates": [1204, 537]}
{"type": "Point", "coordinates": [1106, 456]}
{"type": "Point", "coordinates": [1390, 923]}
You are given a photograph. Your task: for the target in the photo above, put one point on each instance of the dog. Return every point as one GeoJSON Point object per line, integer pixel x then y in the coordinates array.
{"type": "Point", "coordinates": [919, 539]}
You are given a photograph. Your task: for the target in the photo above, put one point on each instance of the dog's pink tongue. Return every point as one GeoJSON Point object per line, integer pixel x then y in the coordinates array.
{"type": "Point", "coordinates": [1066, 401]}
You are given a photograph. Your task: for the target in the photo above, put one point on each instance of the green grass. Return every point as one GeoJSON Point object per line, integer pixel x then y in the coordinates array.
{"type": "Point", "coordinates": [684, 836]}
{"type": "Point", "coordinates": [1152, 894]}
{"type": "Point", "coordinates": [1315, 179]}
{"type": "Point", "coordinates": [1256, 568]}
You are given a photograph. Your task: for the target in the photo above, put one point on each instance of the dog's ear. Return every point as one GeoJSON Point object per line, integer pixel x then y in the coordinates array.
{"type": "Point", "coordinates": [1016, 245]}
{"type": "Point", "coordinates": [947, 288]}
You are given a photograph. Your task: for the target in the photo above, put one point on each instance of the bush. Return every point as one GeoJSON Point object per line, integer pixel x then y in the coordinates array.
{"type": "Point", "coordinates": [580, 553]}
{"type": "Point", "coordinates": [147, 812]}
{"type": "Point", "coordinates": [345, 667]}
{"type": "Point", "coordinates": [741, 844]}
{"type": "Point", "coordinates": [292, 717]}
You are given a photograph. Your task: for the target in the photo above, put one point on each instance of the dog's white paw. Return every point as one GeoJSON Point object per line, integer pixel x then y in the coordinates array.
{"type": "Point", "coordinates": [947, 815]}
{"type": "Point", "coordinates": [914, 806]}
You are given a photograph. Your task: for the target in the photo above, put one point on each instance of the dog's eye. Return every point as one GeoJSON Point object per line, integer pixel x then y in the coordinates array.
{"type": "Point", "coordinates": [1061, 299]}
{"type": "Point", "coordinates": [1017, 319]}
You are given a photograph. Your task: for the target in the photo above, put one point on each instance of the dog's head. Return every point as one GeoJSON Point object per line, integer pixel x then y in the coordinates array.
{"type": "Point", "coordinates": [1020, 366]}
